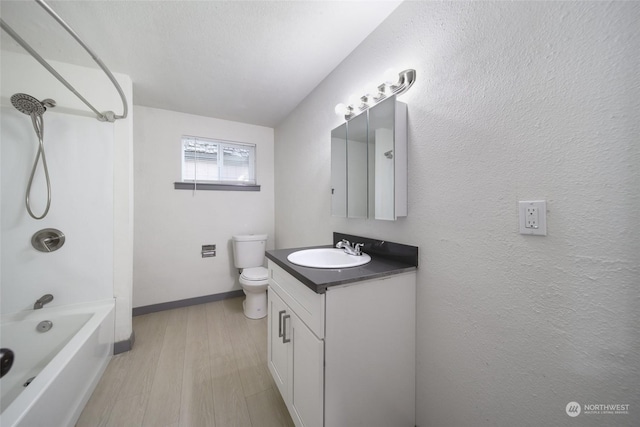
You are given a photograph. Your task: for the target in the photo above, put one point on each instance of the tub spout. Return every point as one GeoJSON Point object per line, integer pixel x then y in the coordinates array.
{"type": "Point", "coordinates": [44, 299]}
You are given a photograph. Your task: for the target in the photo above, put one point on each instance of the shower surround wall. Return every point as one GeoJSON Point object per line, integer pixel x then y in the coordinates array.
{"type": "Point", "coordinates": [513, 101]}
{"type": "Point", "coordinates": [81, 207]}
{"type": "Point", "coordinates": [91, 178]}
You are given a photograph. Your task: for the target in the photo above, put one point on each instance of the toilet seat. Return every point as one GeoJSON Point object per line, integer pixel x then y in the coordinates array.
{"type": "Point", "coordinates": [255, 274]}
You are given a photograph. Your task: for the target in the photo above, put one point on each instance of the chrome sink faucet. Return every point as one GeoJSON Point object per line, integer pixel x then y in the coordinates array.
{"type": "Point", "coordinates": [351, 250]}
{"type": "Point", "coordinates": [44, 299]}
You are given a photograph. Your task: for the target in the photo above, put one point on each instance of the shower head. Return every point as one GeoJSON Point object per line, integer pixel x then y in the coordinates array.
{"type": "Point", "coordinates": [29, 105]}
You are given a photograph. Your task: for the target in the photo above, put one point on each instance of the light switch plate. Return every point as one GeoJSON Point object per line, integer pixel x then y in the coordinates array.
{"type": "Point", "coordinates": [533, 217]}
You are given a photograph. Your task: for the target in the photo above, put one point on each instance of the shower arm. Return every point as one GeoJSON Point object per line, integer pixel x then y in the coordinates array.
{"type": "Point", "coordinates": [108, 116]}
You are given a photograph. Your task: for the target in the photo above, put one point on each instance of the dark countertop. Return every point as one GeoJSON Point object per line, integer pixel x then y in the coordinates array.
{"type": "Point", "coordinates": [319, 279]}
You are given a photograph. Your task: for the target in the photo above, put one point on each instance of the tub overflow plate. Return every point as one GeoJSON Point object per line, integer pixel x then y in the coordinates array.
{"type": "Point", "coordinates": [44, 326]}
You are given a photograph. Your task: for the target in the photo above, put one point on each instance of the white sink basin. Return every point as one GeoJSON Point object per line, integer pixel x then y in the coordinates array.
{"type": "Point", "coordinates": [327, 258]}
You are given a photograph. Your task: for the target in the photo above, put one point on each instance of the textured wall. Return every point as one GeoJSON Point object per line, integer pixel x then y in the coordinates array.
{"type": "Point", "coordinates": [514, 101]}
{"type": "Point", "coordinates": [172, 225]}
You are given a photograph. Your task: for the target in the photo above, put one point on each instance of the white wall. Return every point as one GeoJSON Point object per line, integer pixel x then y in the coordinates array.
{"type": "Point", "coordinates": [172, 225]}
{"type": "Point", "coordinates": [513, 101]}
{"type": "Point", "coordinates": [91, 190]}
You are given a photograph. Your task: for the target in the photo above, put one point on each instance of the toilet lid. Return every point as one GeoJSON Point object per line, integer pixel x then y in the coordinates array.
{"type": "Point", "coordinates": [255, 273]}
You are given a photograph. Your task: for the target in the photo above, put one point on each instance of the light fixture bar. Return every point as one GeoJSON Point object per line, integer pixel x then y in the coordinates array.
{"type": "Point", "coordinates": [405, 80]}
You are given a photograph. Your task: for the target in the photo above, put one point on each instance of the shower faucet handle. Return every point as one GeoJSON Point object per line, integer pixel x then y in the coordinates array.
{"type": "Point", "coordinates": [48, 240]}
{"type": "Point", "coordinates": [45, 241]}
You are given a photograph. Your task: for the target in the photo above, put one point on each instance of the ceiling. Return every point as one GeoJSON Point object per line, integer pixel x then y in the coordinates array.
{"type": "Point", "coordinates": [246, 61]}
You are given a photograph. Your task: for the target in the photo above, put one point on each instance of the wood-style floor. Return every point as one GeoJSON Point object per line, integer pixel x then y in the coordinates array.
{"type": "Point", "coordinates": [204, 365]}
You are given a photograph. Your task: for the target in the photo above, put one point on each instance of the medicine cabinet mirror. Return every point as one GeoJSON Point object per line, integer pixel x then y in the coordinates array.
{"type": "Point", "coordinates": [357, 179]}
{"type": "Point", "coordinates": [369, 160]}
{"type": "Point", "coordinates": [339, 171]}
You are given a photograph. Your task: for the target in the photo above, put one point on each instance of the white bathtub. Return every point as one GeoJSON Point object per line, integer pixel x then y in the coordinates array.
{"type": "Point", "coordinates": [67, 362]}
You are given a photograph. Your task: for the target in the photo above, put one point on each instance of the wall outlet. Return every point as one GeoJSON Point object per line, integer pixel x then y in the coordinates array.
{"type": "Point", "coordinates": [533, 217]}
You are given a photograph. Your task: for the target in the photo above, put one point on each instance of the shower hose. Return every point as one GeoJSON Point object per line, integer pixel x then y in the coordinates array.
{"type": "Point", "coordinates": [38, 126]}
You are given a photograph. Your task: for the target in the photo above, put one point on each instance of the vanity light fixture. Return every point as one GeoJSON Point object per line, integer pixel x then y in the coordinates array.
{"type": "Point", "coordinates": [376, 94]}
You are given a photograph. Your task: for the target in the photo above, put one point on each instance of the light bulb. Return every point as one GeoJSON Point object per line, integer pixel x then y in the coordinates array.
{"type": "Point", "coordinates": [354, 100]}
{"type": "Point", "coordinates": [341, 109]}
{"type": "Point", "coordinates": [390, 77]}
{"type": "Point", "coordinates": [372, 90]}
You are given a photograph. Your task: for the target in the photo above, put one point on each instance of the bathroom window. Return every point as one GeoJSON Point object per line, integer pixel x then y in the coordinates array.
{"type": "Point", "coordinates": [209, 164]}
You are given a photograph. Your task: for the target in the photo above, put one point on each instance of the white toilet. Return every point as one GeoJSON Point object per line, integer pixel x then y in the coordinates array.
{"type": "Point", "coordinates": [248, 255]}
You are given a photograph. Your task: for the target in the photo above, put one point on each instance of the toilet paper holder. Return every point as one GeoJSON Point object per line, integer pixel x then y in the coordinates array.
{"type": "Point", "coordinates": [208, 251]}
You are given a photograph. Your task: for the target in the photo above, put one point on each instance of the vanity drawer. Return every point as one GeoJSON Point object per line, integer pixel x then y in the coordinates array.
{"type": "Point", "coordinates": [306, 304]}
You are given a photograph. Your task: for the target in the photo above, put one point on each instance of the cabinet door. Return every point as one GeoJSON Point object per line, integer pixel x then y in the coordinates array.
{"type": "Point", "coordinates": [277, 350]}
{"type": "Point", "coordinates": [357, 167]}
{"type": "Point", "coordinates": [306, 370]}
{"type": "Point", "coordinates": [387, 155]}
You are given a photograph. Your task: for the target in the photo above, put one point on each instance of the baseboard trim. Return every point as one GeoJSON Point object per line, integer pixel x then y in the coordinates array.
{"type": "Point", "coordinates": [126, 345]}
{"type": "Point", "coordinates": [137, 311]}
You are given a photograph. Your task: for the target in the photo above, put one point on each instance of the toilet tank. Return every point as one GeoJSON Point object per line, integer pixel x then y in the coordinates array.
{"type": "Point", "coordinates": [248, 250]}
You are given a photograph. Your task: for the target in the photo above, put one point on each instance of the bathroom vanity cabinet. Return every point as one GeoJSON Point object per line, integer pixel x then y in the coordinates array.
{"type": "Point", "coordinates": [346, 356]}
